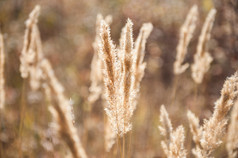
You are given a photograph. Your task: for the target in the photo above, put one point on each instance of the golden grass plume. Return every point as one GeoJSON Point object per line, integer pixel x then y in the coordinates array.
{"type": "Point", "coordinates": [96, 76]}
{"type": "Point", "coordinates": [232, 137]}
{"type": "Point", "coordinates": [186, 34]}
{"type": "Point", "coordinates": [173, 144]}
{"type": "Point", "coordinates": [202, 59]}
{"type": "Point", "coordinates": [121, 70]}
{"type": "Point", "coordinates": [209, 136]}
{"type": "Point", "coordinates": [41, 73]}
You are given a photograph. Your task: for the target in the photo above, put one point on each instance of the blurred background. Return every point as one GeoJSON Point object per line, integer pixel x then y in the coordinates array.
{"type": "Point", "coordinates": [68, 31]}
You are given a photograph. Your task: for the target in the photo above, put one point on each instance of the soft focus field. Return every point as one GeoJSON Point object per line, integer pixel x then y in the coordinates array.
{"type": "Point", "coordinates": [67, 31]}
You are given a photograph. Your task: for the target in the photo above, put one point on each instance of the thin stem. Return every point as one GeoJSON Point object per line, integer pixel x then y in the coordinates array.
{"type": "Point", "coordinates": [196, 92]}
{"type": "Point", "coordinates": [118, 145]}
{"type": "Point", "coordinates": [22, 116]}
{"type": "Point", "coordinates": [123, 146]}
{"type": "Point", "coordinates": [104, 142]}
{"type": "Point", "coordinates": [1, 145]}
{"type": "Point", "coordinates": [129, 148]}
{"type": "Point", "coordinates": [174, 90]}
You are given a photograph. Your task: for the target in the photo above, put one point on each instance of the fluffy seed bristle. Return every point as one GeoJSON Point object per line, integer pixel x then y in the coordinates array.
{"type": "Point", "coordinates": [111, 78]}
{"type": "Point", "coordinates": [211, 133]}
{"type": "Point", "coordinates": [232, 137]}
{"type": "Point", "coordinates": [194, 127]}
{"type": "Point", "coordinates": [96, 76]}
{"type": "Point", "coordinates": [128, 75]}
{"type": "Point", "coordinates": [173, 145]}
{"type": "Point", "coordinates": [35, 66]}
{"type": "Point", "coordinates": [31, 54]}
{"type": "Point", "coordinates": [63, 114]}
{"type": "Point", "coordinates": [121, 74]}
{"type": "Point", "coordinates": [139, 51]}
{"type": "Point", "coordinates": [186, 34]}
{"type": "Point", "coordinates": [166, 125]}
{"type": "Point", "coordinates": [202, 59]}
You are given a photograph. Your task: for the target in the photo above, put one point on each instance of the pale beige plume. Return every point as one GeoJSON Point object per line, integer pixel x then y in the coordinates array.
{"type": "Point", "coordinates": [38, 68]}
{"type": "Point", "coordinates": [232, 136]}
{"type": "Point", "coordinates": [31, 54]}
{"type": "Point", "coordinates": [121, 73]}
{"type": "Point", "coordinates": [202, 58]}
{"type": "Point", "coordinates": [173, 143]}
{"type": "Point", "coordinates": [209, 136]}
{"type": "Point", "coordinates": [96, 77]}
{"type": "Point", "coordinates": [186, 34]}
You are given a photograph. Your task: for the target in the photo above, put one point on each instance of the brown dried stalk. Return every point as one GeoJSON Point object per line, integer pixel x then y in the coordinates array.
{"type": "Point", "coordinates": [202, 59]}
{"type": "Point", "coordinates": [41, 74]}
{"type": "Point", "coordinates": [173, 145]}
{"type": "Point", "coordinates": [121, 73]}
{"type": "Point", "coordinates": [128, 76]}
{"type": "Point", "coordinates": [232, 136]}
{"type": "Point", "coordinates": [186, 34]}
{"type": "Point", "coordinates": [2, 78]}
{"type": "Point", "coordinates": [96, 76]}
{"type": "Point", "coordinates": [208, 137]}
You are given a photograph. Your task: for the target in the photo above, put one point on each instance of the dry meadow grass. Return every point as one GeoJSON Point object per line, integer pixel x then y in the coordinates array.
{"type": "Point", "coordinates": [118, 79]}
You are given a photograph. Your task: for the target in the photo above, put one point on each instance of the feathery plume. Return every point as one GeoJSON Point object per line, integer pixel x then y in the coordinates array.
{"type": "Point", "coordinates": [166, 127]}
{"type": "Point", "coordinates": [61, 112]}
{"type": "Point", "coordinates": [128, 76]}
{"type": "Point", "coordinates": [186, 34]}
{"type": "Point", "coordinates": [139, 50]}
{"type": "Point", "coordinates": [35, 66]}
{"type": "Point", "coordinates": [96, 76]}
{"type": "Point", "coordinates": [111, 78]}
{"type": "Point", "coordinates": [194, 127]}
{"type": "Point", "coordinates": [120, 72]}
{"type": "Point", "coordinates": [2, 78]}
{"type": "Point", "coordinates": [210, 134]}
{"type": "Point", "coordinates": [232, 137]}
{"type": "Point", "coordinates": [202, 59]}
{"type": "Point", "coordinates": [96, 87]}
{"type": "Point", "coordinates": [173, 145]}
{"type": "Point", "coordinates": [31, 54]}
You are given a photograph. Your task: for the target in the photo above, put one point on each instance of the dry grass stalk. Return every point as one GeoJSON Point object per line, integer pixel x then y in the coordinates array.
{"type": "Point", "coordinates": [2, 78]}
{"type": "Point", "coordinates": [109, 136]}
{"type": "Point", "coordinates": [173, 145]}
{"type": "Point", "coordinates": [202, 59]}
{"type": "Point", "coordinates": [33, 64]}
{"type": "Point", "coordinates": [31, 54]}
{"type": "Point", "coordinates": [232, 137]}
{"type": "Point", "coordinates": [210, 134]}
{"type": "Point", "coordinates": [96, 76]}
{"type": "Point", "coordinates": [62, 112]}
{"type": "Point", "coordinates": [194, 127]}
{"type": "Point", "coordinates": [120, 72]}
{"type": "Point", "coordinates": [111, 78]}
{"type": "Point", "coordinates": [128, 75]}
{"type": "Point", "coordinates": [139, 50]}
{"type": "Point", "coordinates": [186, 34]}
